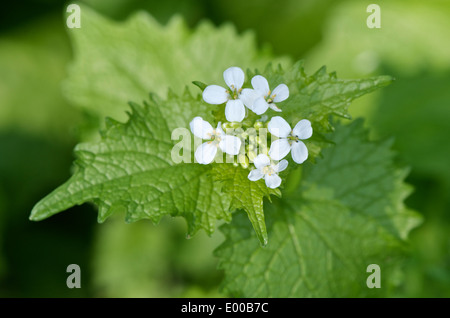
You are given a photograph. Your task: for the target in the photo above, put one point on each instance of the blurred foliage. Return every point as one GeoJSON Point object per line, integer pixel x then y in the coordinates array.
{"type": "Point", "coordinates": [272, 21]}
{"type": "Point", "coordinates": [124, 61]}
{"type": "Point", "coordinates": [413, 37]}
{"type": "Point", "coordinates": [143, 260]}
{"type": "Point", "coordinates": [36, 142]}
{"type": "Point", "coordinates": [36, 254]}
{"type": "Point", "coordinates": [33, 60]}
{"type": "Point", "coordinates": [163, 11]}
{"type": "Point", "coordinates": [38, 130]}
{"type": "Point", "coordinates": [275, 21]}
{"type": "Point", "coordinates": [417, 112]}
{"type": "Point", "coordinates": [2, 215]}
{"type": "Point", "coordinates": [413, 45]}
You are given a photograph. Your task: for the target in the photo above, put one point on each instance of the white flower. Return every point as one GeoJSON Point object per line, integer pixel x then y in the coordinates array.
{"type": "Point", "coordinates": [268, 170]}
{"type": "Point", "coordinates": [216, 95]}
{"type": "Point", "coordinates": [289, 139]}
{"type": "Point", "coordinates": [206, 152]}
{"type": "Point", "coordinates": [261, 97]}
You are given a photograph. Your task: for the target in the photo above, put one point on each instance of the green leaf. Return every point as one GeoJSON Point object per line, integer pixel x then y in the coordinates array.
{"type": "Point", "coordinates": [200, 85]}
{"type": "Point", "coordinates": [126, 60]}
{"type": "Point", "coordinates": [246, 194]}
{"type": "Point", "coordinates": [347, 214]}
{"type": "Point", "coordinates": [130, 169]}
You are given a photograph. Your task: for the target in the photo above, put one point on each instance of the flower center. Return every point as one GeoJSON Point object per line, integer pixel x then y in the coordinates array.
{"type": "Point", "coordinates": [269, 98]}
{"type": "Point", "coordinates": [215, 137]}
{"type": "Point", "coordinates": [268, 170]}
{"type": "Point", "coordinates": [292, 138]}
{"type": "Point", "coordinates": [234, 93]}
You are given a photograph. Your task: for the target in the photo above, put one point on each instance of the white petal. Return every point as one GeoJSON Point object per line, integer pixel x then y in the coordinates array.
{"type": "Point", "coordinates": [261, 161]}
{"type": "Point", "coordinates": [273, 181]}
{"type": "Point", "coordinates": [255, 175]}
{"type": "Point", "coordinates": [235, 110]}
{"type": "Point", "coordinates": [303, 129]}
{"type": "Point", "coordinates": [281, 92]}
{"type": "Point", "coordinates": [274, 107]}
{"type": "Point", "coordinates": [280, 166]}
{"type": "Point", "coordinates": [234, 77]}
{"type": "Point", "coordinates": [215, 94]}
{"type": "Point", "coordinates": [279, 149]}
{"type": "Point", "coordinates": [299, 152]}
{"type": "Point", "coordinates": [201, 128]}
{"type": "Point", "coordinates": [261, 85]}
{"type": "Point", "coordinates": [260, 106]}
{"type": "Point", "coordinates": [248, 97]}
{"type": "Point", "coordinates": [279, 127]}
{"type": "Point", "coordinates": [206, 152]}
{"type": "Point", "coordinates": [230, 144]}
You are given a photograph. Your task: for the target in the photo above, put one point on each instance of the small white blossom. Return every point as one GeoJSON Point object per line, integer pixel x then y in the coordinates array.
{"type": "Point", "coordinates": [267, 169]}
{"type": "Point", "coordinates": [260, 98]}
{"type": "Point", "coordinates": [290, 140]}
{"type": "Point", "coordinates": [216, 95]}
{"type": "Point", "coordinates": [206, 152]}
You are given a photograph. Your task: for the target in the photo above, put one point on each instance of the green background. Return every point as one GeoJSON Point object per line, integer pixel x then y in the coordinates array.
{"type": "Point", "coordinates": [38, 130]}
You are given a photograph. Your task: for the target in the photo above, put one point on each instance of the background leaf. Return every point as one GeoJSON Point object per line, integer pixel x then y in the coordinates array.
{"type": "Point", "coordinates": [159, 261]}
{"type": "Point", "coordinates": [38, 131]}
{"type": "Point", "coordinates": [139, 56]}
{"type": "Point", "coordinates": [412, 45]}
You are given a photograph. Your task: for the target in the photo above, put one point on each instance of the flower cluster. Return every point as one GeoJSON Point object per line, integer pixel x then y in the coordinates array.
{"type": "Point", "coordinates": [238, 102]}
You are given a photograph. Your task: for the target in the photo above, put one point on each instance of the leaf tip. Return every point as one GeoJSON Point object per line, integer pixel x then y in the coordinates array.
{"type": "Point", "coordinates": [263, 242]}
{"type": "Point", "coordinates": [36, 214]}
{"type": "Point", "coordinates": [385, 80]}
{"type": "Point", "coordinates": [200, 85]}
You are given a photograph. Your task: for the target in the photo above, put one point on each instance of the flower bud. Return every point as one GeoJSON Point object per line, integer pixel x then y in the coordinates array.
{"type": "Point", "coordinates": [263, 149]}
{"type": "Point", "coordinates": [236, 125]}
{"type": "Point", "coordinates": [258, 125]}
{"type": "Point", "coordinates": [243, 160]}
{"type": "Point", "coordinates": [252, 155]}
